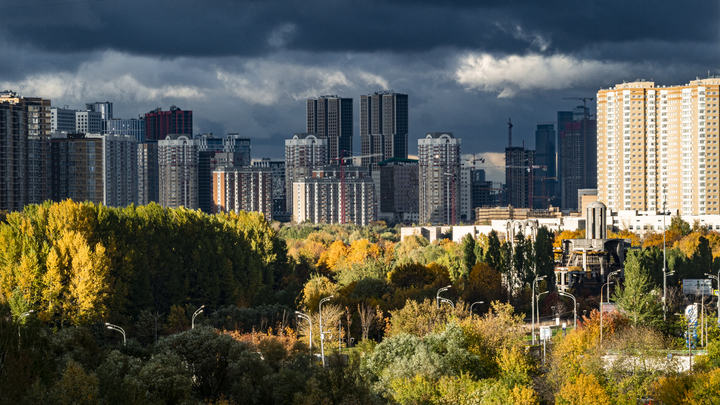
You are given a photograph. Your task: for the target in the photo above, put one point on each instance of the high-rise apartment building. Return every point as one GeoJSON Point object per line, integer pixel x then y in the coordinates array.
{"type": "Point", "coordinates": [399, 187]}
{"type": "Point", "coordinates": [25, 157]}
{"type": "Point", "coordinates": [331, 118]}
{"type": "Point", "coordinates": [178, 156]}
{"type": "Point", "coordinates": [545, 177]}
{"type": "Point", "coordinates": [243, 189]}
{"type": "Point", "coordinates": [120, 170]}
{"type": "Point", "coordinates": [578, 156]}
{"type": "Point", "coordinates": [134, 127]}
{"type": "Point", "coordinates": [88, 122]}
{"type": "Point", "coordinates": [105, 108]}
{"type": "Point", "coordinates": [518, 176]}
{"type": "Point", "coordinates": [159, 123]}
{"type": "Point", "coordinates": [148, 173]}
{"type": "Point", "coordinates": [303, 154]}
{"type": "Point", "coordinates": [439, 178]}
{"type": "Point", "coordinates": [563, 117]}
{"type": "Point", "coordinates": [77, 167]}
{"type": "Point", "coordinates": [319, 200]}
{"type": "Point", "coordinates": [481, 192]}
{"type": "Point", "coordinates": [62, 119]}
{"type": "Point", "coordinates": [383, 126]}
{"type": "Point", "coordinates": [232, 151]}
{"type": "Point", "coordinates": [277, 167]}
{"type": "Point", "coordinates": [659, 143]}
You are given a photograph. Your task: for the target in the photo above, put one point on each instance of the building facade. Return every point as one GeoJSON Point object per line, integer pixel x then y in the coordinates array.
{"type": "Point", "coordinates": [383, 126]}
{"type": "Point", "coordinates": [120, 169]}
{"type": "Point", "coordinates": [303, 153]}
{"type": "Point", "coordinates": [77, 167]}
{"type": "Point", "coordinates": [159, 123]}
{"type": "Point", "coordinates": [659, 144]}
{"type": "Point", "coordinates": [578, 144]}
{"type": "Point", "coordinates": [148, 173]}
{"type": "Point", "coordinates": [88, 122]}
{"type": "Point", "coordinates": [319, 200]}
{"type": "Point", "coordinates": [62, 119]}
{"type": "Point", "coordinates": [545, 178]}
{"type": "Point", "coordinates": [331, 118]}
{"type": "Point", "coordinates": [243, 189]}
{"type": "Point", "coordinates": [105, 108]}
{"type": "Point", "coordinates": [277, 167]}
{"type": "Point", "coordinates": [178, 160]}
{"type": "Point", "coordinates": [439, 178]}
{"type": "Point", "coordinates": [519, 176]}
{"type": "Point", "coordinates": [134, 127]}
{"type": "Point", "coordinates": [25, 157]}
{"type": "Point", "coordinates": [398, 198]}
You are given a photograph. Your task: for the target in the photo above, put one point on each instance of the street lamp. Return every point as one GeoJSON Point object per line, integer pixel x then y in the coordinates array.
{"type": "Point", "coordinates": [307, 318]}
{"type": "Point", "coordinates": [473, 304]}
{"type": "Point", "coordinates": [537, 305]}
{"type": "Point", "coordinates": [437, 296]}
{"type": "Point", "coordinates": [117, 329]}
{"type": "Point", "coordinates": [601, 308]}
{"type": "Point", "coordinates": [716, 278]}
{"type": "Point", "coordinates": [614, 273]}
{"type": "Point", "coordinates": [199, 310]}
{"type": "Point", "coordinates": [664, 257]}
{"type": "Point", "coordinates": [322, 334]}
{"type": "Point", "coordinates": [566, 294]}
{"type": "Point", "coordinates": [447, 301]}
{"type": "Point", "coordinates": [533, 304]}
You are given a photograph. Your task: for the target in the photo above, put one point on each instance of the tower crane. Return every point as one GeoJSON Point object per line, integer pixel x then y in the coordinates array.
{"type": "Point", "coordinates": [341, 162]}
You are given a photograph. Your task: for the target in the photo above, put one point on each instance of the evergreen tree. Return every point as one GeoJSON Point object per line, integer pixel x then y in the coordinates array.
{"type": "Point", "coordinates": [494, 253]}
{"type": "Point", "coordinates": [638, 298]}
{"type": "Point", "coordinates": [544, 256]}
{"type": "Point", "coordinates": [467, 246]}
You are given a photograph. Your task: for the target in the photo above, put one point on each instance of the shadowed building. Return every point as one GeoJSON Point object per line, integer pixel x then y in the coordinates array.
{"type": "Point", "coordinates": [383, 126]}
{"type": "Point", "coordinates": [331, 118]}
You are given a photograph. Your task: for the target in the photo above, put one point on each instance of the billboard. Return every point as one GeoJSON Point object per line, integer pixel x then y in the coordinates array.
{"type": "Point", "coordinates": [697, 286]}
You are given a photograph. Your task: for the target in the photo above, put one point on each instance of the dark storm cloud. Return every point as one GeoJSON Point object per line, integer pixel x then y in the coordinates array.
{"type": "Point", "coordinates": [252, 28]}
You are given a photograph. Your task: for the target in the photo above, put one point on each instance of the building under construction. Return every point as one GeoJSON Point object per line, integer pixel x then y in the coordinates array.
{"type": "Point", "coordinates": [587, 262]}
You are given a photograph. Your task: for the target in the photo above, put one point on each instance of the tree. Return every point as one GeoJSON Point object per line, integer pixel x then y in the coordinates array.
{"type": "Point", "coordinates": [677, 224]}
{"type": "Point", "coordinates": [468, 246]}
{"type": "Point", "coordinates": [638, 299]}
{"type": "Point", "coordinates": [585, 389]}
{"type": "Point", "coordinates": [544, 256]}
{"type": "Point", "coordinates": [493, 254]}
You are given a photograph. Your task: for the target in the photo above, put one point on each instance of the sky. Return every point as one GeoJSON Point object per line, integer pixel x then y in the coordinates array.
{"type": "Point", "coordinates": [247, 66]}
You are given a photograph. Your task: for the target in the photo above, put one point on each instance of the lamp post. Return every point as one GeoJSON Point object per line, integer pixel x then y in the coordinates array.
{"type": "Point", "coordinates": [437, 296]}
{"type": "Point", "coordinates": [117, 329]}
{"type": "Point", "coordinates": [565, 294]}
{"type": "Point", "coordinates": [533, 304]}
{"type": "Point", "coordinates": [199, 310]}
{"type": "Point", "coordinates": [601, 309]}
{"type": "Point", "coordinates": [664, 257]}
{"type": "Point", "coordinates": [307, 318]}
{"type": "Point", "coordinates": [614, 273]}
{"type": "Point", "coordinates": [716, 278]}
{"type": "Point", "coordinates": [447, 301]}
{"type": "Point", "coordinates": [537, 304]}
{"type": "Point", "coordinates": [322, 334]}
{"type": "Point", "coordinates": [473, 304]}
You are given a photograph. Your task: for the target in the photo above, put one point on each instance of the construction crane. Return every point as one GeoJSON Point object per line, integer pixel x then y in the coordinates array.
{"type": "Point", "coordinates": [341, 162]}
{"type": "Point", "coordinates": [510, 126]}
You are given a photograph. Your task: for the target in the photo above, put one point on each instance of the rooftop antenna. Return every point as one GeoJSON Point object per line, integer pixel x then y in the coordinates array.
{"type": "Point", "coordinates": [510, 125]}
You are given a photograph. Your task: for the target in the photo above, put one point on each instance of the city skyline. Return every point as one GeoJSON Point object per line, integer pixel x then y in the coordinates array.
{"type": "Point", "coordinates": [467, 67]}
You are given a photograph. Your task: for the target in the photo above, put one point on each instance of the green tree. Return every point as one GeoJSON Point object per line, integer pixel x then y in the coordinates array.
{"type": "Point", "coordinates": [494, 253]}
{"type": "Point", "coordinates": [638, 298]}
{"type": "Point", "coordinates": [468, 247]}
{"type": "Point", "coordinates": [677, 224]}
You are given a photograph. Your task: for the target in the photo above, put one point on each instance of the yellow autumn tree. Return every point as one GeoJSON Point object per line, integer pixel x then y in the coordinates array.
{"type": "Point", "coordinates": [333, 255]}
{"type": "Point", "coordinates": [568, 235]}
{"type": "Point", "coordinates": [362, 250]}
{"type": "Point", "coordinates": [75, 284]}
{"type": "Point", "coordinates": [585, 389]}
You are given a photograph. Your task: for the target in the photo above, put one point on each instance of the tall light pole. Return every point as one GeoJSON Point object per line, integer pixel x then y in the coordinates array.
{"type": "Point", "coordinates": [322, 334]}
{"type": "Point", "coordinates": [664, 257]}
{"type": "Point", "coordinates": [614, 273]}
{"type": "Point", "coordinates": [447, 301]}
{"type": "Point", "coordinates": [533, 304]}
{"type": "Point", "coordinates": [199, 310]}
{"type": "Point", "coordinates": [537, 304]}
{"type": "Point", "coordinates": [716, 278]}
{"type": "Point", "coordinates": [473, 304]}
{"type": "Point", "coordinates": [565, 294]}
{"type": "Point", "coordinates": [307, 318]}
{"type": "Point", "coordinates": [437, 296]}
{"type": "Point", "coordinates": [117, 329]}
{"type": "Point", "coordinates": [601, 308]}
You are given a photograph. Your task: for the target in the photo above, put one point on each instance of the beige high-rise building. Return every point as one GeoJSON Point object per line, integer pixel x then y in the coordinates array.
{"type": "Point", "coordinates": [178, 171]}
{"type": "Point", "coordinates": [243, 189]}
{"type": "Point", "coordinates": [656, 142]}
